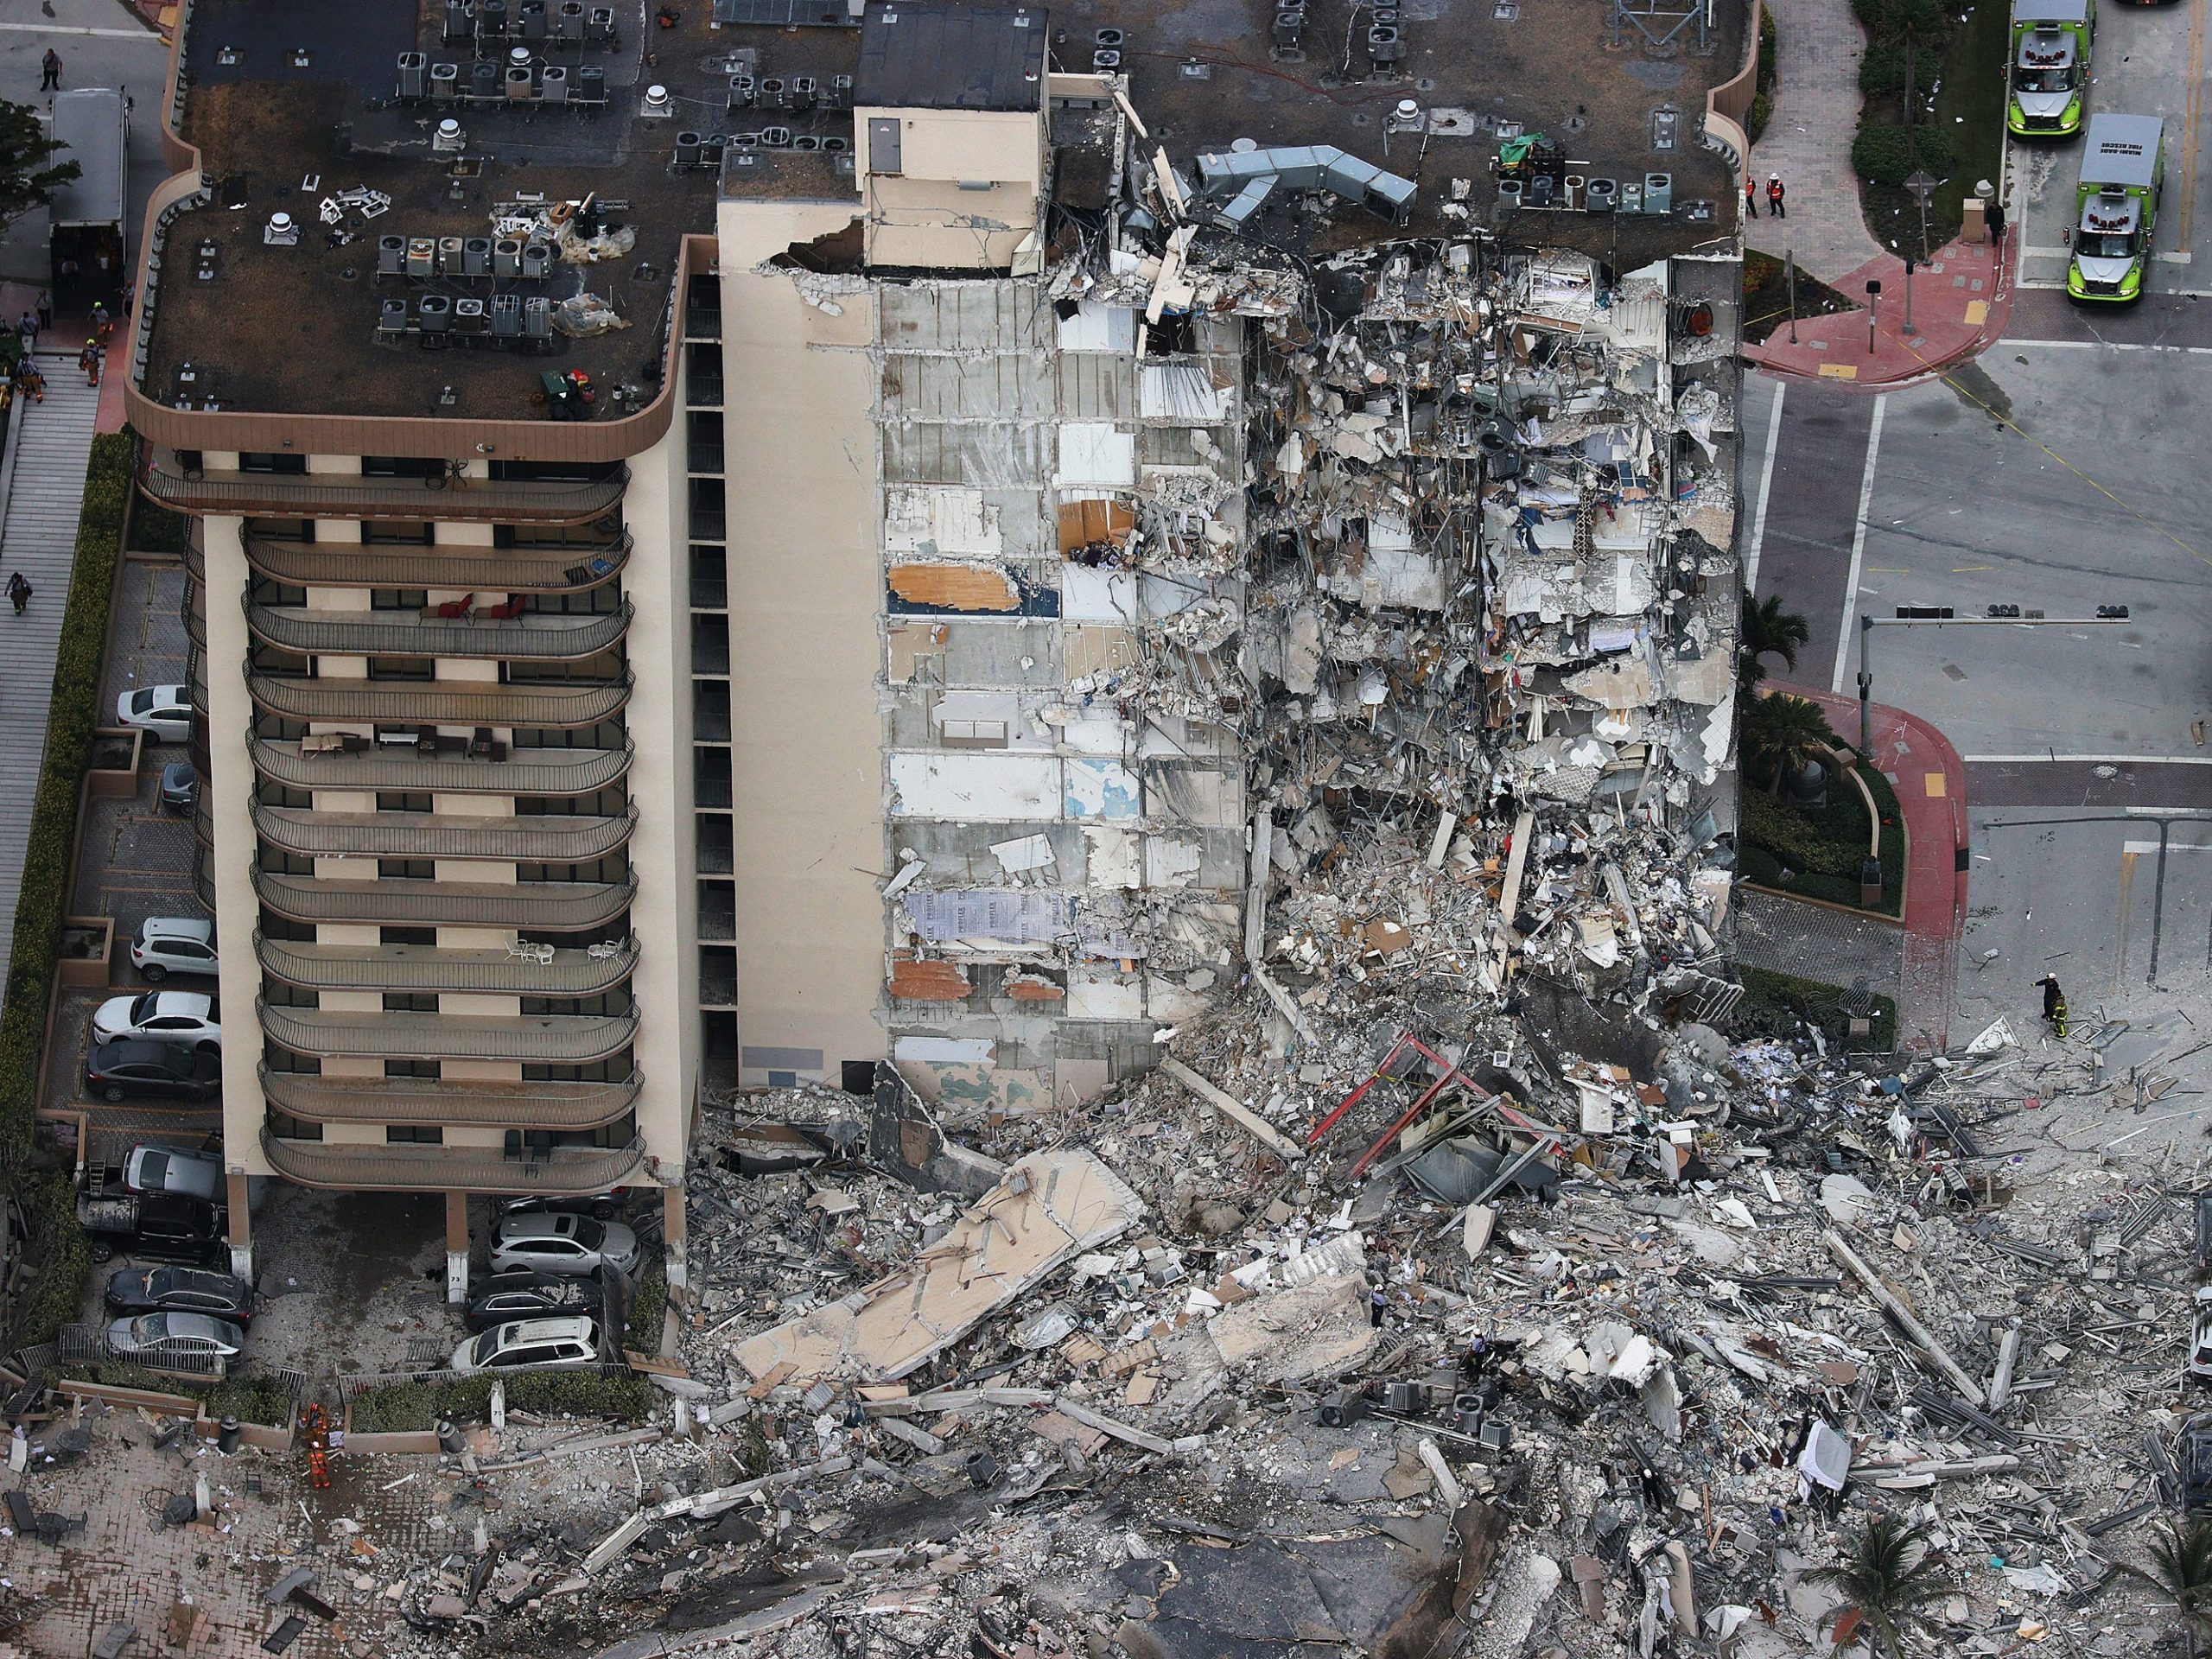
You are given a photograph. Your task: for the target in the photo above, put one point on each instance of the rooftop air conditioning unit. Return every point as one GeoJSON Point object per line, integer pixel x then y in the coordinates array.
{"type": "Point", "coordinates": [414, 76]}
{"type": "Point", "coordinates": [740, 93]}
{"type": "Point", "coordinates": [391, 320]}
{"type": "Point", "coordinates": [537, 319]}
{"type": "Point", "coordinates": [391, 256]}
{"type": "Point", "coordinates": [553, 84]}
{"type": "Point", "coordinates": [775, 138]}
{"type": "Point", "coordinates": [476, 257]}
{"type": "Point", "coordinates": [598, 26]}
{"type": "Point", "coordinates": [569, 21]}
{"type": "Point", "coordinates": [468, 316]}
{"type": "Point", "coordinates": [422, 257]}
{"type": "Point", "coordinates": [532, 18]}
{"type": "Point", "coordinates": [507, 257]}
{"type": "Point", "coordinates": [445, 81]}
{"type": "Point", "coordinates": [435, 316]}
{"type": "Point", "coordinates": [506, 316]}
{"type": "Point", "coordinates": [687, 150]}
{"type": "Point", "coordinates": [536, 261]}
{"type": "Point", "coordinates": [449, 255]}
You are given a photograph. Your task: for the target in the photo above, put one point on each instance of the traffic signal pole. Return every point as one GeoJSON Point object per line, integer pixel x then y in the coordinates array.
{"type": "Point", "coordinates": [1932, 616]}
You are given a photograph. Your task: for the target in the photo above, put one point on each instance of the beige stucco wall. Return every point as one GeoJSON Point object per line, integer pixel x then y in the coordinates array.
{"type": "Point", "coordinates": [922, 217]}
{"type": "Point", "coordinates": [804, 584]}
{"type": "Point", "coordinates": [665, 915]}
{"type": "Point", "coordinates": [230, 792]}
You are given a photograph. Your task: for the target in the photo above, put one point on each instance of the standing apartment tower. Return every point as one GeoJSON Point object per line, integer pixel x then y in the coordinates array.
{"type": "Point", "coordinates": [411, 351]}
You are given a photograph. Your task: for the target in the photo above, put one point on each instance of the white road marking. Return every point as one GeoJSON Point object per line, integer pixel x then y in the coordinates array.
{"type": "Point", "coordinates": [1859, 543]}
{"type": "Point", "coordinates": [2111, 346]}
{"type": "Point", "coordinates": [2047, 758]}
{"type": "Point", "coordinates": [1766, 484]}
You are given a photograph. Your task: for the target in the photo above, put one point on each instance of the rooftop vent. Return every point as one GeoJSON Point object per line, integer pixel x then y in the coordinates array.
{"type": "Point", "coordinates": [283, 230]}
{"type": "Point", "coordinates": [657, 106]}
{"type": "Point", "coordinates": [449, 138]}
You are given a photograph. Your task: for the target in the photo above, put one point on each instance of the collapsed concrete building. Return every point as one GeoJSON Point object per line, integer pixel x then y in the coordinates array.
{"type": "Point", "coordinates": [1267, 495]}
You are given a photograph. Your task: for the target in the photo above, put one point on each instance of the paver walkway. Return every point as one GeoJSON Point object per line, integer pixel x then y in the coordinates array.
{"type": "Point", "coordinates": [1960, 302]}
{"type": "Point", "coordinates": [1807, 141]}
{"type": "Point", "coordinates": [38, 536]}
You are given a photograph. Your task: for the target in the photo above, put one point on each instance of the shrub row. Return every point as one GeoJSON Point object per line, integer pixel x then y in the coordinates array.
{"type": "Point", "coordinates": [74, 710]}
{"type": "Point", "coordinates": [623, 1397]}
{"type": "Point", "coordinates": [250, 1399]}
{"type": "Point", "coordinates": [1762, 109]}
{"type": "Point", "coordinates": [1887, 154]}
{"type": "Point", "coordinates": [1795, 840]}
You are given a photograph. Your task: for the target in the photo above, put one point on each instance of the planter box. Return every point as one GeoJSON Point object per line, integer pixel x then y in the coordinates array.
{"type": "Point", "coordinates": [90, 972]}
{"type": "Point", "coordinates": [120, 783]}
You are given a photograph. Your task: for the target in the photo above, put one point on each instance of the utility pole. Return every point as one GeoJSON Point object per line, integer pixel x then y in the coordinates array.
{"type": "Point", "coordinates": [1939, 616]}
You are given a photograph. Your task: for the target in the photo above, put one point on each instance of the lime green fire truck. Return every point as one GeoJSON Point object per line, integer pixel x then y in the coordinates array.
{"type": "Point", "coordinates": [2050, 67]}
{"type": "Point", "coordinates": [2116, 207]}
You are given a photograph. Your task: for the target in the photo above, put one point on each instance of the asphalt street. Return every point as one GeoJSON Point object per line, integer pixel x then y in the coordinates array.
{"type": "Point", "coordinates": [2146, 61]}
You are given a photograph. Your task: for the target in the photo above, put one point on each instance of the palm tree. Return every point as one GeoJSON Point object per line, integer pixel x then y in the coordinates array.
{"type": "Point", "coordinates": [1767, 631]}
{"type": "Point", "coordinates": [2181, 1570]}
{"type": "Point", "coordinates": [1887, 1575]}
{"type": "Point", "coordinates": [1785, 735]}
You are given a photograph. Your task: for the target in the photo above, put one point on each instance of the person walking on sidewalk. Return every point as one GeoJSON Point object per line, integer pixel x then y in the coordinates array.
{"type": "Point", "coordinates": [1996, 221]}
{"type": "Point", "coordinates": [1774, 194]}
{"type": "Point", "coordinates": [19, 592]}
{"type": "Point", "coordinates": [27, 332]}
{"type": "Point", "coordinates": [1751, 197]}
{"type": "Point", "coordinates": [50, 81]}
{"type": "Point", "coordinates": [45, 309]}
{"type": "Point", "coordinates": [2054, 1003]}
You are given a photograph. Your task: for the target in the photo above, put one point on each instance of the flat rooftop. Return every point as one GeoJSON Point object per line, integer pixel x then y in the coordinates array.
{"type": "Point", "coordinates": [273, 104]}
{"type": "Point", "coordinates": [1204, 74]}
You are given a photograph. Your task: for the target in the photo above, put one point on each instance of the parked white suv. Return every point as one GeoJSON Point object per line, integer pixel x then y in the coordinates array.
{"type": "Point", "coordinates": [563, 1342]}
{"type": "Point", "coordinates": [174, 944]}
{"type": "Point", "coordinates": [183, 1017]}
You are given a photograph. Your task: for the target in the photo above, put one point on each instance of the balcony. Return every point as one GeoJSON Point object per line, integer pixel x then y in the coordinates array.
{"type": "Point", "coordinates": [529, 1039]}
{"type": "Point", "coordinates": [441, 703]}
{"type": "Point", "coordinates": [350, 495]}
{"type": "Point", "coordinates": [527, 638]}
{"type": "Point", "coordinates": [427, 968]}
{"type": "Point", "coordinates": [564, 1171]}
{"type": "Point", "coordinates": [459, 1102]}
{"type": "Point", "coordinates": [404, 767]}
{"type": "Point", "coordinates": [408, 564]}
{"type": "Point", "coordinates": [538, 840]}
{"type": "Point", "coordinates": [563, 906]}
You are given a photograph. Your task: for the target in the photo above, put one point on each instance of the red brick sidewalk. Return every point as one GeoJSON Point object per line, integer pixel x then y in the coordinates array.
{"type": "Point", "coordinates": [1931, 783]}
{"type": "Point", "coordinates": [1959, 303]}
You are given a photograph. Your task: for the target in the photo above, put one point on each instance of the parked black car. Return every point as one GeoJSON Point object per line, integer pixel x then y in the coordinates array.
{"type": "Point", "coordinates": [180, 1290]}
{"type": "Point", "coordinates": [508, 1296]}
{"type": "Point", "coordinates": [168, 1226]}
{"type": "Point", "coordinates": [132, 1065]}
{"type": "Point", "coordinates": [599, 1206]}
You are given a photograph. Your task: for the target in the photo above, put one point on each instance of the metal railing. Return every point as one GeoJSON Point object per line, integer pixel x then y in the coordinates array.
{"type": "Point", "coordinates": [550, 771]}
{"type": "Point", "coordinates": [530, 637]}
{"type": "Point", "coordinates": [406, 565]}
{"type": "Point", "coordinates": [354, 495]}
{"type": "Point", "coordinates": [384, 1035]}
{"type": "Point", "coordinates": [442, 702]}
{"type": "Point", "coordinates": [461, 1102]}
{"type": "Point", "coordinates": [569, 906]}
{"type": "Point", "coordinates": [87, 1345]}
{"type": "Point", "coordinates": [534, 838]}
{"type": "Point", "coordinates": [562, 1171]}
{"type": "Point", "coordinates": [427, 968]}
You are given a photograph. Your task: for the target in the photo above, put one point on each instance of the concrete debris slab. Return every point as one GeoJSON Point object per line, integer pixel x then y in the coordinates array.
{"type": "Point", "coordinates": [1050, 1207]}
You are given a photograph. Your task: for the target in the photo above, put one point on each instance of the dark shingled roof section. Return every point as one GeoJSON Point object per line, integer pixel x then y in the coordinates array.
{"type": "Point", "coordinates": [924, 56]}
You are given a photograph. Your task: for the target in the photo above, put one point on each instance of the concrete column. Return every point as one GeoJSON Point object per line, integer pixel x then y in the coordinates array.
{"type": "Point", "coordinates": [673, 1236]}
{"type": "Point", "coordinates": [241, 1221]}
{"type": "Point", "coordinates": [456, 1246]}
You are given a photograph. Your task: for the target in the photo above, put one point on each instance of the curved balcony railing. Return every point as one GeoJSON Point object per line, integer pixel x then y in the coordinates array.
{"type": "Point", "coordinates": [351, 495]}
{"type": "Point", "coordinates": [530, 637]}
{"type": "Point", "coordinates": [427, 968]}
{"type": "Point", "coordinates": [203, 818]}
{"type": "Point", "coordinates": [577, 906]}
{"type": "Point", "coordinates": [195, 626]}
{"type": "Point", "coordinates": [564, 1171]}
{"type": "Point", "coordinates": [382, 1035]}
{"type": "Point", "coordinates": [534, 839]}
{"type": "Point", "coordinates": [456, 1101]}
{"type": "Point", "coordinates": [441, 703]}
{"type": "Point", "coordinates": [548, 771]}
{"type": "Point", "coordinates": [409, 564]}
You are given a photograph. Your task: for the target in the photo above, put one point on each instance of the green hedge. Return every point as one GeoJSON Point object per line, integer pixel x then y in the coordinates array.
{"type": "Point", "coordinates": [648, 1309]}
{"type": "Point", "coordinates": [1822, 848]}
{"type": "Point", "coordinates": [399, 1407]}
{"type": "Point", "coordinates": [1881, 153]}
{"type": "Point", "coordinates": [250, 1399]}
{"type": "Point", "coordinates": [1762, 109]}
{"type": "Point", "coordinates": [74, 710]}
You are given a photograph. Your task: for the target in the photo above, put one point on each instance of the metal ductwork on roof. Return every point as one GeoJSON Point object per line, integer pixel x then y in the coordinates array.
{"type": "Point", "coordinates": [1246, 176]}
